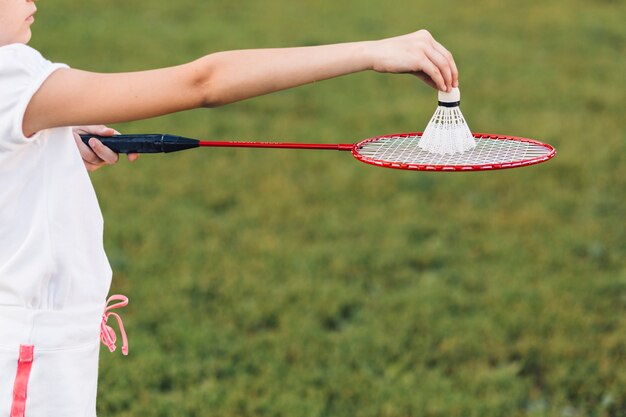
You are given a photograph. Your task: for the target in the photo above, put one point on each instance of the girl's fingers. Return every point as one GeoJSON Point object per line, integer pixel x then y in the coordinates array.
{"type": "Point", "coordinates": [435, 75]}
{"type": "Point", "coordinates": [455, 72]}
{"type": "Point", "coordinates": [89, 156]}
{"type": "Point", "coordinates": [86, 153]}
{"type": "Point", "coordinates": [95, 154]}
{"type": "Point", "coordinates": [107, 131]}
{"type": "Point", "coordinates": [103, 152]}
{"type": "Point", "coordinates": [442, 64]}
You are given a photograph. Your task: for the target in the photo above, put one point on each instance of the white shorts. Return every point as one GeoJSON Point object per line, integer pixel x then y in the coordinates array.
{"type": "Point", "coordinates": [49, 361]}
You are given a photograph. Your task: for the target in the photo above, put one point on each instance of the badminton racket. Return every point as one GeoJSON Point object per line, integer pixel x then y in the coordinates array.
{"type": "Point", "coordinates": [399, 151]}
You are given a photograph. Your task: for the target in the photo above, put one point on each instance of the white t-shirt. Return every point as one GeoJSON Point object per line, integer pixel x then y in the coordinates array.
{"type": "Point", "coordinates": [51, 249]}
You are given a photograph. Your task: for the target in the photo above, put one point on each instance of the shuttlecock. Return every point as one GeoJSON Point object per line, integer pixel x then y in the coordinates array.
{"type": "Point", "coordinates": [447, 132]}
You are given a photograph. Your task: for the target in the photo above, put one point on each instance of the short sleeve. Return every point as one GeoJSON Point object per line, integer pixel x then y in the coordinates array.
{"type": "Point", "coordinates": [22, 72]}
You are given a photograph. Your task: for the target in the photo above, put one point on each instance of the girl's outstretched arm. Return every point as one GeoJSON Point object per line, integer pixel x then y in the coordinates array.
{"type": "Point", "coordinates": [72, 97]}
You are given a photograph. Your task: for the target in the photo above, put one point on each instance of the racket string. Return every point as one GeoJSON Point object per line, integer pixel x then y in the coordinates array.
{"type": "Point", "coordinates": [406, 150]}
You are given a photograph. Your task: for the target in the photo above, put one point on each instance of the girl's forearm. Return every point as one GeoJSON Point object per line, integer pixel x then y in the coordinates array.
{"type": "Point", "coordinates": [236, 75]}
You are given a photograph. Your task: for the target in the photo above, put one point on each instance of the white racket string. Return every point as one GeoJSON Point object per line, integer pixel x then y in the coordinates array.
{"type": "Point", "coordinates": [488, 151]}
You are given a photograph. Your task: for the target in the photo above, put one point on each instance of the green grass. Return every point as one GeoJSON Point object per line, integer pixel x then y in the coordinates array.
{"type": "Point", "coordinates": [283, 283]}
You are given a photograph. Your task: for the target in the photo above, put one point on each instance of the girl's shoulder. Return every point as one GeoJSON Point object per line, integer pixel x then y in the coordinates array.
{"type": "Point", "coordinates": [18, 49]}
{"type": "Point", "coordinates": [19, 54]}
{"type": "Point", "coordinates": [22, 72]}
{"type": "Point", "coordinates": [20, 64]}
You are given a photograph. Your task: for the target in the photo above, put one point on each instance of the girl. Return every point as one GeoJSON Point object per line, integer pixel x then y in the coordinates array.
{"type": "Point", "coordinates": [54, 274]}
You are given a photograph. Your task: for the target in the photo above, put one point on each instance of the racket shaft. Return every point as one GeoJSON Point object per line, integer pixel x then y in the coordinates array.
{"type": "Point", "coordinates": [155, 143]}
{"type": "Point", "coordinates": [280, 145]}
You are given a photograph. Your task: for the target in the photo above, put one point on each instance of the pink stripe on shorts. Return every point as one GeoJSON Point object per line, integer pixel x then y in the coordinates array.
{"type": "Point", "coordinates": [20, 389]}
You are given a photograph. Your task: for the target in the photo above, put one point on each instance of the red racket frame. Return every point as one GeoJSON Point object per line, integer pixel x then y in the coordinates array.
{"type": "Point", "coordinates": [457, 168]}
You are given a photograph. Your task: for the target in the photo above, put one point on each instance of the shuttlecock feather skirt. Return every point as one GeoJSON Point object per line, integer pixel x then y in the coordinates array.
{"type": "Point", "coordinates": [447, 132]}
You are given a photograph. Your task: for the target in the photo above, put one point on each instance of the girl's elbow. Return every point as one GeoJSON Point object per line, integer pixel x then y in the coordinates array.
{"type": "Point", "coordinates": [204, 86]}
{"type": "Point", "coordinates": [211, 98]}
{"type": "Point", "coordinates": [204, 94]}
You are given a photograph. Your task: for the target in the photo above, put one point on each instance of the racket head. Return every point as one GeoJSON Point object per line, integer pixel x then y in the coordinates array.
{"type": "Point", "coordinates": [492, 152]}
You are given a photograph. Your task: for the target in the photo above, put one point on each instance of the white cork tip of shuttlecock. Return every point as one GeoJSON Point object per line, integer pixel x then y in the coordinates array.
{"type": "Point", "coordinates": [447, 132]}
{"type": "Point", "coordinates": [453, 96]}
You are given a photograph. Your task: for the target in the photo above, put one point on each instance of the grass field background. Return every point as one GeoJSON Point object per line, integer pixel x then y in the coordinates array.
{"type": "Point", "coordinates": [284, 283]}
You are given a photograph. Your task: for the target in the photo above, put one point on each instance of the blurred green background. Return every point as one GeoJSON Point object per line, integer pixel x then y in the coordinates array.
{"type": "Point", "coordinates": [285, 283]}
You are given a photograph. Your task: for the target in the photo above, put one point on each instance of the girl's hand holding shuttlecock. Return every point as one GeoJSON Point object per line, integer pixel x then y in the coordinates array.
{"type": "Point", "coordinates": [96, 155]}
{"type": "Point", "coordinates": [418, 53]}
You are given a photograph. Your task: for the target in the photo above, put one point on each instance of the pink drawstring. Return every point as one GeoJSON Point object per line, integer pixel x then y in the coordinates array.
{"type": "Point", "coordinates": [107, 334]}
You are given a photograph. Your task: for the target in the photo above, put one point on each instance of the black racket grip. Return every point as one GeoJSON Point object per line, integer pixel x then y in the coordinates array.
{"type": "Point", "coordinates": [144, 143]}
